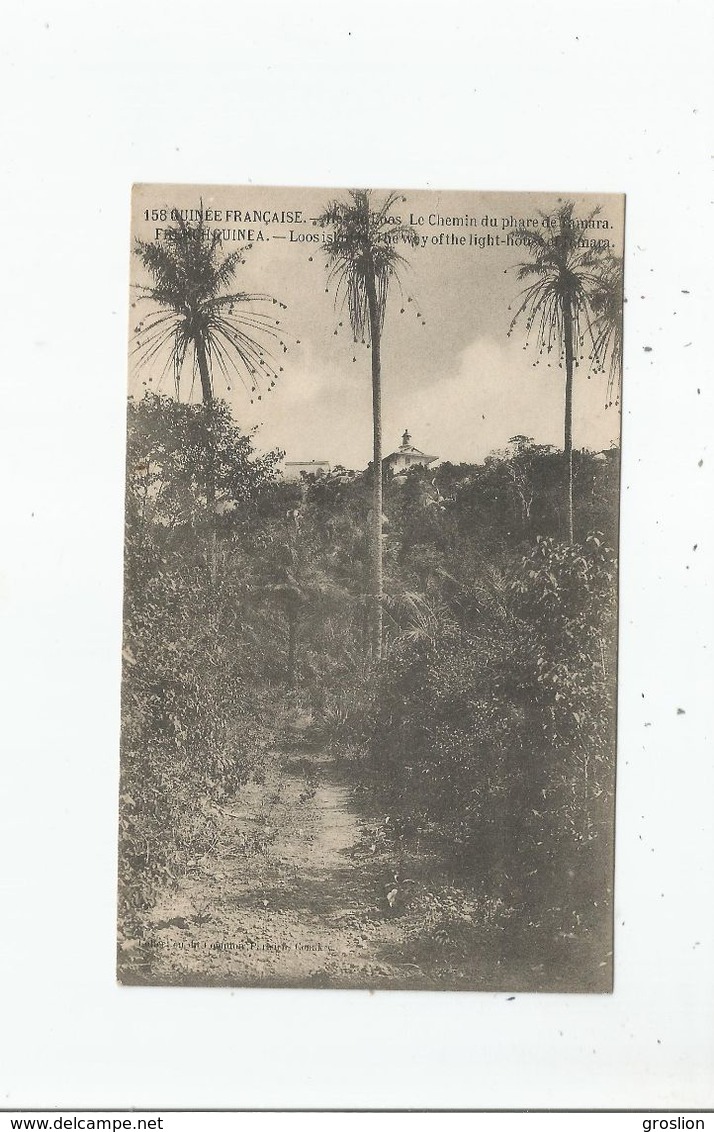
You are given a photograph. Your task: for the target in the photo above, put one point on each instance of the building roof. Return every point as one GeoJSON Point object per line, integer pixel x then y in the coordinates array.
{"type": "Point", "coordinates": [406, 448]}
{"type": "Point", "coordinates": [307, 463]}
{"type": "Point", "coordinates": [411, 451]}
{"type": "Point", "coordinates": [296, 469]}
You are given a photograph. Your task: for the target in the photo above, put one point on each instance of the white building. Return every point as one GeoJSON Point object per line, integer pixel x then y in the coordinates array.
{"type": "Point", "coordinates": [293, 469]}
{"type": "Point", "coordinates": [407, 456]}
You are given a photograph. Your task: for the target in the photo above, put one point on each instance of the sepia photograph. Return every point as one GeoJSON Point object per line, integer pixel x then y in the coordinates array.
{"type": "Point", "coordinates": [370, 589]}
{"type": "Point", "coordinates": [357, 563]}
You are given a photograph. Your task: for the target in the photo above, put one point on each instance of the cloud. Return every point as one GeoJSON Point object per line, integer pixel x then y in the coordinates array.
{"type": "Point", "coordinates": [495, 393]}
{"type": "Point", "coordinates": [322, 409]}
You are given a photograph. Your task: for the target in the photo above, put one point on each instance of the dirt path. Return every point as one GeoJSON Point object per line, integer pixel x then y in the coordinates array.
{"type": "Point", "coordinates": [294, 895]}
{"type": "Point", "coordinates": [306, 888]}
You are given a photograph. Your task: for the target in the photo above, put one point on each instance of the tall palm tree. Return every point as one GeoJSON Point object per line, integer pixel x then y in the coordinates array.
{"type": "Point", "coordinates": [362, 259]}
{"type": "Point", "coordinates": [558, 303]}
{"type": "Point", "coordinates": [607, 302]}
{"type": "Point", "coordinates": [195, 315]}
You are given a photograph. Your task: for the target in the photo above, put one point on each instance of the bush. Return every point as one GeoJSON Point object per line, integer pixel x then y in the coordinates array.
{"type": "Point", "coordinates": [190, 734]}
{"type": "Point", "coordinates": [195, 663]}
{"type": "Point", "coordinates": [498, 730]}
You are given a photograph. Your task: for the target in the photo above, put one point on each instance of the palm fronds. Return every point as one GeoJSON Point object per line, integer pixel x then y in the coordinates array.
{"type": "Point", "coordinates": [363, 238]}
{"type": "Point", "coordinates": [562, 303]}
{"type": "Point", "coordinates": [607, 302]}
{"type": "Point", "coordinates": [566, 274]}
{"type": "Point", "coordinates": [192, 313]}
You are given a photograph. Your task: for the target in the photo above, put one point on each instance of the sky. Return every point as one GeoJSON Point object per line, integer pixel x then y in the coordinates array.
{"type": "Point", "coordinates": [450, 372]}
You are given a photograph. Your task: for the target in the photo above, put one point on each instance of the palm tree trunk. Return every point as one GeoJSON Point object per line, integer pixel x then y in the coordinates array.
{"type": "Point", "coordinates": [568, 336]}
{"type": "Point", "coordinates": [292, 649]}
{"type": "Point", "coordinates": [364, 627]}
{"type": "Point", "coordinates": [377, 578]}
{"type": "Point", "coordinates": [207, 395]}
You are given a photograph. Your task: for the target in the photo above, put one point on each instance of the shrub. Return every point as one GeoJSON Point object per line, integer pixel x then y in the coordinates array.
{"type": "Point", "coordinates": [498, 729]}
{"type": "Point", "coordinates": [194, 678]}
{"type": "Point", "coordinates": [190, 735]}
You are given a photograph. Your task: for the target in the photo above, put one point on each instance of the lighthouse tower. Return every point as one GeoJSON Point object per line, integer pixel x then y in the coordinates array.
{"type": "Point", "coordinates": [407, 456]}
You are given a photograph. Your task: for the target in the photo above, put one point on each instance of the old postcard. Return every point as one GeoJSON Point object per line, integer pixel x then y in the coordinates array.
{"type": "Point", "coordinates": [369, 678]}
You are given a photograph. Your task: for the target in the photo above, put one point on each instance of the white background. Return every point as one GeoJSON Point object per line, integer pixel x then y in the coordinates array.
{"type": "Point", "coordinates": [557, 95]}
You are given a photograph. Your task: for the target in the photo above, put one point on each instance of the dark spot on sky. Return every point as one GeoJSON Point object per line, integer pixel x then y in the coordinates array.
{"type": "Point", "coordinates": [647, 349]}
{"type": "Point", "coordinates": [681, 711]}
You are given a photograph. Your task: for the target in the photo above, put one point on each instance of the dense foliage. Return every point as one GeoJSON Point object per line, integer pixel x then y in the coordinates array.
{"type": "Point", "coordinates": [488, 728]}
{"type": "Point", "coordinates": [496, 731]}
{"type": "Point", "coordinates": [193, 724]}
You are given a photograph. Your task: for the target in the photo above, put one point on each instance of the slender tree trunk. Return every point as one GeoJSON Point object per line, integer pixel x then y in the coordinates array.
{"type": "Point", "coordinates": [292, 649]}
{"type": "Point", "coordinates": [376, 571]}
{"type": "Point", "coordinates": [364, 627]}
{"type": "Point", "coordinates": [568, 335]}
{"type": "Point", "coordinates": [207, 395]}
